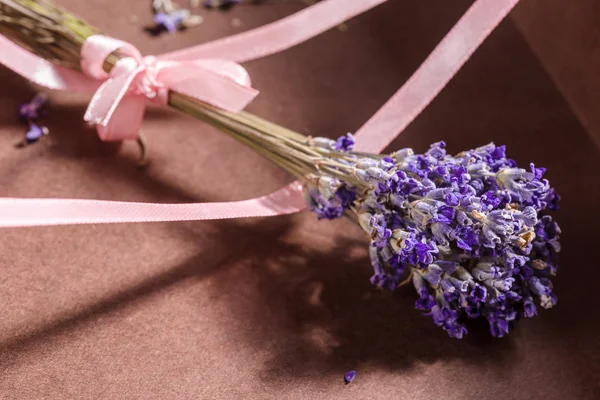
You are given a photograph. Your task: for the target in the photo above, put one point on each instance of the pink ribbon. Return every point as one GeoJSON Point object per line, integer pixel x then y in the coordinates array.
{"type": "Point", "coordinates": [117, 107]}
{"type": "Point", "coordinates": [431, 77]}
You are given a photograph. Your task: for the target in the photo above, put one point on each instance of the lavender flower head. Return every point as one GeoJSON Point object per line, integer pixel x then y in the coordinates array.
{"type": "Point", "coordinates": [471, 230]}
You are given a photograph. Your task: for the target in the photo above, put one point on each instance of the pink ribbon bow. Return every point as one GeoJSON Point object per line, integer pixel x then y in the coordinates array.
{"type": "Point", "coordinates": [139, 80]}
{"type": "Point", "coordinates": [117, 107]}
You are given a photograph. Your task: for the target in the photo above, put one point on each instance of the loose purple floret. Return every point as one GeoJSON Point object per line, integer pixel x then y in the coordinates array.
{"type": "Point", "coordinates": [34, 109]}
{"type": "Point", "coordinates": [34, 133]}
{"type": "Point", "coordinates": [349, 376]}
{"type": "Point", "coordinates": [172, 21]}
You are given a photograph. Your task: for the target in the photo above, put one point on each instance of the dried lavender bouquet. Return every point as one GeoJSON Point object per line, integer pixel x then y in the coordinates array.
{"type": "Point", "coordinates": [470, 232]}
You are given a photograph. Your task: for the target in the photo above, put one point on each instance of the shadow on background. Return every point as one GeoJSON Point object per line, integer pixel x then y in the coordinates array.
{"type": "Point", "coordinates": [317, 305]}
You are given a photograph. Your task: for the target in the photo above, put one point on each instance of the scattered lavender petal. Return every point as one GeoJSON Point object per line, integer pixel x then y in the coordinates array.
{"type": "Point", "coordinates": [349, 377]}
{"type": "Point", "coordinates": [34, 109]}
{"type": "Point", "coordinates": [34, 133]}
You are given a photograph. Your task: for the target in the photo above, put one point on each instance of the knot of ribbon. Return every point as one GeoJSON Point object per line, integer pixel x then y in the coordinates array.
{"type": "Point", "coordinates": [117, 107]}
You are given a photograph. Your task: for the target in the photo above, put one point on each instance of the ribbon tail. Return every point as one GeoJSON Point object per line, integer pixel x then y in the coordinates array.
{"type": "Point", "coordinates": [46, 212]}
{"type": "Point", "coordinates": [222, 84]}
{"type": "Point", "coordinates": [279, 35]}
{"type": "Point", "coordinates": [125, 122]}
{"type": "Point", "coordinates": [117, 116]}
{"type": "Point", "coordinates": [42, 72]}
{"type": "Point", "coordinates": [107, 98]}
{"type": "Point", "coordinates": [433, 75]}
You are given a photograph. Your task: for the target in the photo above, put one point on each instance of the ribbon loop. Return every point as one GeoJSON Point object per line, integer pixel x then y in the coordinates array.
{"type": "Point", "coordinates": [97, 48]}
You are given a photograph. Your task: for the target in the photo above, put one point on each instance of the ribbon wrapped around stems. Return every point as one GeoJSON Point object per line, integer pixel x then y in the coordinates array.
{"type": "Point", "coordinates": [117, 107]}
{"type": "Point", "coordinates": [431, 77]}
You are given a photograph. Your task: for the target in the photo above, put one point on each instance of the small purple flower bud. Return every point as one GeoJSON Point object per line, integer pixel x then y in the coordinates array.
{"type": "Point", "coordinates": [452, 199]}
{"type": "Point", "coordinates": [433, 274]}
{"type": "Point", "coordinates": [481, 275]}
{"type": "Point", "coordinates": [462, 286]}
{"type": "Point", "coordinates": [463, 219]}
{"type": "Point", "coordinates": [324, 143]}
{"type": "Point", "coordinates": [425, 301]}
{"type": "Point", "coordinates": [33, 109]}
{"type": "Point", "coordinates": [378, 173]}
{"type": "Point", "coordinates": [502, 284]}
{"type": "Point", "coordinates": [529, 308]}
{"type": "Point", "coordinates": [479, 292]}
{"type": "Point", "coordinates": [537, 172]}
{"type": "Point", "coordinates": [449, 267]}
{"type": "Point", "coordinates": [528, 216]}
{"type": "Point", "coordinates": [445, 215]}
{"type": "Point", "coordinates": [349, 376]}
{"type": "Point", "coordinates": [35, 132]}
{"type": "Point", "coordinates": [539, 287]}
{"type": "Point", "coordinates": [441, 233]}
{"type": "Point", "coordinates": [437, 150]}
{"type": "Point", "coordinates": [171, 21]}
{"type": "Point", "coordinates": [498, 327]}
{"type": "Point", "coordinates": [345, 143]}
{"type": "Point", "coordinates": [490, 200]}
{"type": "Point", "coordinates": [402, 155]}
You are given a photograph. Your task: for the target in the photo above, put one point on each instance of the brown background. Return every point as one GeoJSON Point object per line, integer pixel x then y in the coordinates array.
{"type": "Point", "coordinates": [566, 37]}
{"type": "Point", "coordinates": [281, 308]}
